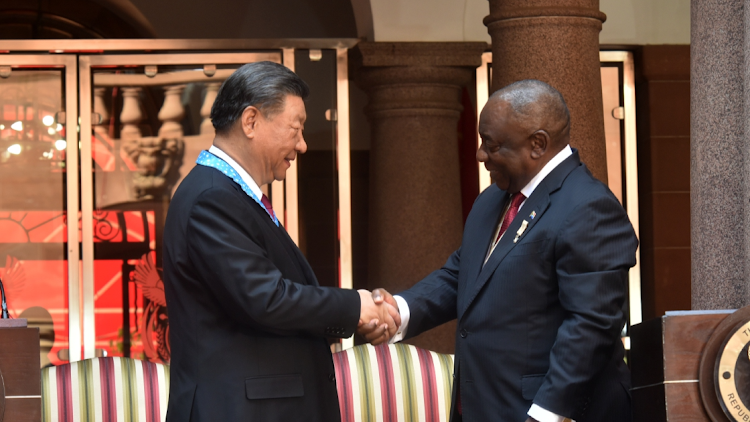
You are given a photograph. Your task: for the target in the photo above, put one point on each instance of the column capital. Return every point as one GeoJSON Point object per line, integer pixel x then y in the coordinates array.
{"type": "Point", "coordinates": [415, 78]}
{"type": "Point", "coordinates": [390, 54]}
{"type": "Point", "coordinates": [501, 10]}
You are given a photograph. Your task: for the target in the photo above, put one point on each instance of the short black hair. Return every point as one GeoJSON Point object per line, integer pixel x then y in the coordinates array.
{"type": "Point", "coordinates": [264, 85]}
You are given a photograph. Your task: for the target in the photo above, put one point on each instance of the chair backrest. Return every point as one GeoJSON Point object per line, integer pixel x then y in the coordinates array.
{"type": "Point", "coordinates": [105, 389]}
{"type": "Point", "coordinates": [390, 383]}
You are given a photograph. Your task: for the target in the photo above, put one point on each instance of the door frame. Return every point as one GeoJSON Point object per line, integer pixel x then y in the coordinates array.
{"type": "Point", "coordinates": [68, 63]}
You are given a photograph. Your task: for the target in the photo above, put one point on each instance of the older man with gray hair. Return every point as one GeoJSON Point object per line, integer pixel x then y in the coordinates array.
{"type": "Point", "coordinates": [248, 319]}
{"type": "Point", "coordinates": [540, 282]}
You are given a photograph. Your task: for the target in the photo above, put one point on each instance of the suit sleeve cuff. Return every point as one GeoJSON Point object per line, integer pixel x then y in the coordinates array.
{"type": "Point", "coordinates": [543, 415]}
{"type": "Point", "coordinates": [403, 310]}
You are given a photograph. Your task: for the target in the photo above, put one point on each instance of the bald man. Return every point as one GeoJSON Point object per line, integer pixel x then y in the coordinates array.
{"type": "Point", "coordinates": [539, 284]}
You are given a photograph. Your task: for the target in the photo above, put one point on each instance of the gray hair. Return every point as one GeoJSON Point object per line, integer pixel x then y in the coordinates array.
{"type": "Point", "coordinates": [264, 85]}
{"type": "Point", "coordinates": [527, 96]}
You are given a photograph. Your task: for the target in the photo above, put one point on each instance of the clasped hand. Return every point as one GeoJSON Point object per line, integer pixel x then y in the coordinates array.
{"type": "Point", "coordinates": [378, 318]}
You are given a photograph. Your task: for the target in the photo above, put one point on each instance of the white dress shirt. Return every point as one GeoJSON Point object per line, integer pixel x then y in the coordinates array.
{"type": "Point", "coordinates": [238, 168]}
{"type": "Point", "coordinates": [245, 176]}
{"type": "Point", "coordinates": [536, 412]}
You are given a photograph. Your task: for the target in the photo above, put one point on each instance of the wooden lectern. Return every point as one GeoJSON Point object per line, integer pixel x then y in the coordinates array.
{"type": "Point", "coordinates": [20, 386]}
{"type": "Point", "coordinates": [665, 355]}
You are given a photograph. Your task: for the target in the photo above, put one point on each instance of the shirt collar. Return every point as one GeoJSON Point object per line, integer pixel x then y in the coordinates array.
{"type": "Point", "coordinates": [546, 170]}
{"type": "Point", "coordinates": [243, 174]}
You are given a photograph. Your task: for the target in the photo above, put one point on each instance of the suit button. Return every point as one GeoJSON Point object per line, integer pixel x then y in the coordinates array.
{"type": "Point", "coordinates": [331, 377]}
{"type": "Point", "coordinates": [463, 333]}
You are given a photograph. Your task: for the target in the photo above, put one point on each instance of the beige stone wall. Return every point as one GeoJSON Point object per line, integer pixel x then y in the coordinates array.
{"type": "Point", "coordinates": [645, 22]}
{"type": "Point", "coordinates": [430, 20]}
{"type": "Point", "coordinates": [639, 22]}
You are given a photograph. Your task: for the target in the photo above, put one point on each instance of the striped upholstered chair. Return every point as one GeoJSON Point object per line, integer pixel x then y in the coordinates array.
{"type": "Point", "coordinates": [105, 389]}
{"type": "Point", "coordinates": [393, 383]}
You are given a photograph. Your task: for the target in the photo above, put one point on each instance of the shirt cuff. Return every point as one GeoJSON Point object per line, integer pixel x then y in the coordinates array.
{"type": "Point", "coordinates": [403, 310]}
{"type": "Point", "coordinates": [543, 415]}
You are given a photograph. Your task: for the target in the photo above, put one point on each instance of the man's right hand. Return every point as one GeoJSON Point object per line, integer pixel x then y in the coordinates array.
{"type": "Point", "coordinates": [374, 334]}
{"type": "Point", "coordinates": [378, 322]}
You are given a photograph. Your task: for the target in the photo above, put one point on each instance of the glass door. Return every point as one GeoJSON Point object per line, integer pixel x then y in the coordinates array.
{"type": "Point", "coordinates": [39, 244]}
{"type": "Point", "coordinates": [618, 95]}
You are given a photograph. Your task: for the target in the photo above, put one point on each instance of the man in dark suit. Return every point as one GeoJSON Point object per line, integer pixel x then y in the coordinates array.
{"type": "Point", "coordinates": [248, 319]}
{"type": "Point", "coordinates": [540, 282]}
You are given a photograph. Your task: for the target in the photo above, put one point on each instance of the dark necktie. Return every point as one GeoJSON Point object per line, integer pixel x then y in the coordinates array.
{"type": "Point", "coordinates": [515, 202]}
{"type": "Point", "coordinates": [269, 208]}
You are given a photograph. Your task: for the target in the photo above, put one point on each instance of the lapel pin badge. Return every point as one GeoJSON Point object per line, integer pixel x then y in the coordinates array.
{"type": "Point", "coordinates": [520, 231]}
{"type": "Point", "coordinates": [532, 215]}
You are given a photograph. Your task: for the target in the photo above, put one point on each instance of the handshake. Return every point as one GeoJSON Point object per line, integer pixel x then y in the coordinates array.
{"type": "Point", "coordinates": [379, 318]}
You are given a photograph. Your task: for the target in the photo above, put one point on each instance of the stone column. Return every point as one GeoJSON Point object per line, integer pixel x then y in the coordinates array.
{"type": "Point", "coordinates": [415, 196]}
{"type": "Point", "coordinates": [558, 44]}
{"type": "Point", "coordinates": [720, 153]}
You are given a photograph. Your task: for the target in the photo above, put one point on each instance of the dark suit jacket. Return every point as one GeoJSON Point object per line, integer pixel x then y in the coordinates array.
{"type": "Point", "coordinates": [247, 317]}
{"type": "Point", "coordinates": [541, 321]}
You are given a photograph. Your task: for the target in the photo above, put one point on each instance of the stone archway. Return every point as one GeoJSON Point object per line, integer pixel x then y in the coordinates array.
{"type": "Point", "coordinates": [23, 19]}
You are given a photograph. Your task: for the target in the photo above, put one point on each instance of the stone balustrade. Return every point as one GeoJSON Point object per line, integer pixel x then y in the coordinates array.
{"type": "Point", "coordinates": [156, 162]}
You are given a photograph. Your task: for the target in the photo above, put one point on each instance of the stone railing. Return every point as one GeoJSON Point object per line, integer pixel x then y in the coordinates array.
{"type": "Point", "coordinates": [157, 163]}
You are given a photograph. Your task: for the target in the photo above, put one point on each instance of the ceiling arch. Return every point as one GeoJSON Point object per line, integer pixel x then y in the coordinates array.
{"type": "Point", "coordinates": [55, 19]}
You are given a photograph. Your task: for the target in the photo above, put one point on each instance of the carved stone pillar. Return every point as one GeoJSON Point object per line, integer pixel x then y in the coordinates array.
{"type": "Point", "coordinates": [558, 43]}
{"type": "Point", "coordinates": [131, 114]}
{"type": "Point", "coordinates": [100, 108]}
{"type": "Point", "coordinates": [111, 186]}
{"type": "Point", "coordinates": [212, 89]}
{"type": "Point", "coordinates": [172, 112]}
{"type": "Point", "coordinates": [415, 197]}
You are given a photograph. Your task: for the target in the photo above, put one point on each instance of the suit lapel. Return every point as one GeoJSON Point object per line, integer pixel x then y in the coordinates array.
{"type": "Point", "coordinates": [290, 247]}
{"type": "Point", "coordinates": [538, 202]}
{"type": "Point", "coordinates": [535, 205]}
{"type": "Point", "coordinates": [482, 233]}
